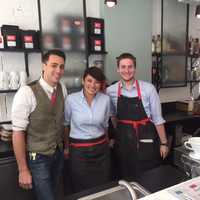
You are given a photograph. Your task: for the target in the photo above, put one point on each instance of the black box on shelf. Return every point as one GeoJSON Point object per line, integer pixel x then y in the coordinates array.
{"type": "Point", "coordinates": [95, 26]}
{"type": "Point", "coordinates": [78, 26]}
{"type": "Point", "coordinates": [65, 42]}
{"type": "Point", "coordinates": [49, 41]}
{"type": "Point", "coordinates": [65, 24]}
{"type": "Point", "coordinates": [79, 43]}
{"type": "Point", "coordinates": [11, 34]}
{"type": "Point", "coordinates": [30, 39]}
{"type": "Point", "coordinates": [96, 44]}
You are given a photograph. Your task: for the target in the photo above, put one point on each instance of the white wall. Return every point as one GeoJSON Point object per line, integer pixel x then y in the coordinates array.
{"type": "Point", "coordinates": [128, 28]}
{"type": "Point", "coordinates": [93, 8]}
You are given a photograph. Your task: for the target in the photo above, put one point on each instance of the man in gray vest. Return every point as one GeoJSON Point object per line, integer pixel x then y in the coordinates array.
{"type": "Point", "coordinates": [38, 131]}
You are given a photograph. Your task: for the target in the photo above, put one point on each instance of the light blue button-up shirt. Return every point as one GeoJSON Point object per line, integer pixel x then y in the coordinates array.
{"type": "Point", "coordinates": [150, 99]}
{"type": "Point", "coordinates": [87, 122]}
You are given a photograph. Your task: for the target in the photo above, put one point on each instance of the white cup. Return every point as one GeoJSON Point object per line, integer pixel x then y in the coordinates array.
{"type": "Point", "coordinates": [14, 80]}
{"type": "Point", "coordinates": [193, 144]}
{"type": "Point", "coordinates": [4, 80]}
{"type": "Point", "coordinates": [23, 78]}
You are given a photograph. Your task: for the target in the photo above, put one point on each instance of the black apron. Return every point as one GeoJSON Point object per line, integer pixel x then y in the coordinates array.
{"type": "Point", "coordinates": [137, 143]}
{"type": "Point", "coordinates": [89, 162]}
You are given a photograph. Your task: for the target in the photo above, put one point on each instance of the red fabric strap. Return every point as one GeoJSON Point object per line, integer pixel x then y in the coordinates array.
{"type": "Point", "coordinates": [137, 88]}
{"type": "Point", "coordinates": [135, 124]}
{"type": "Point", "coordinates": [88, 144]}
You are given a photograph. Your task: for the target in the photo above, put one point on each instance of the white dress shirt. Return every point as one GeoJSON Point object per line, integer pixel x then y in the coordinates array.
{"type": "Point", "coordinates": [24, 103]}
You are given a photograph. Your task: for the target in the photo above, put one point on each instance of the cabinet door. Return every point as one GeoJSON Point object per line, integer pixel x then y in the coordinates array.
{"type": "Point", "coordinates": [174, 37]}
{"type": "Point", "coordinates": [9, 187]}
{"type": "Point", "coordinates": [62, 24]}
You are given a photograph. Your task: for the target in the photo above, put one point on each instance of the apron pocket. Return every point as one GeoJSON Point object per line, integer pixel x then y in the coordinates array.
{"type": "Point", "coordinates": [146, 150]}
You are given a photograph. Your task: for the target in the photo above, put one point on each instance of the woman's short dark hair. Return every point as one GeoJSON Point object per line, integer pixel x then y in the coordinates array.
{"type": "Point", "coordinates": [124, 56]}
{"type": "Point", "coordinates": [57, 52]}
{"type": "Point", "coordinates": [95, 72]}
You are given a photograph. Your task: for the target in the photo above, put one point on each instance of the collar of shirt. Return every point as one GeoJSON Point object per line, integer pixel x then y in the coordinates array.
{"type": "Point", "coordinates": [123, 85]}
{"type": "Point", "coordinates": [47, 88]}
{"type": "Point", "coordinates": [83, 96]}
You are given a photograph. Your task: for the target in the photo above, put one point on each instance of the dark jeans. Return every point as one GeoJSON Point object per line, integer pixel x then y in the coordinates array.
{"type": "Point", "coordinates": [46, 171]}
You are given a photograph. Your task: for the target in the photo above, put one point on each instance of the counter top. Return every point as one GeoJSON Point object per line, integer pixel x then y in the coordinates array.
{"type": "Point", "coordinates": [179, 116]}
{"type": "Point", "coordinates": [153, 180]}
{"type": "Point", "coordinates": [188, 190]}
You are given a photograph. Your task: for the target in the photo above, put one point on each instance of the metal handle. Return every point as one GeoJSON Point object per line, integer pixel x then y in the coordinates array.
{"type": "Point", "coordinates": [186, 145]}
{"type": "Point", "coordinates": [130, 189]}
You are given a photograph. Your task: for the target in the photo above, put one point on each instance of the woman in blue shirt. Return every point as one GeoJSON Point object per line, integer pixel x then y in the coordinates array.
{"type": "Point", "coordinates": [86, 114]}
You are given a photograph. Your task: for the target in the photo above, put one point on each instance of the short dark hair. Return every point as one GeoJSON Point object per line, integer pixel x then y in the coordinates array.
{"type": "Point", "coordinates": [96, 73]}
{"type": "Point", "coordinates": [57, 52]}
{"type": "Point", "coordinates": [124, 56]}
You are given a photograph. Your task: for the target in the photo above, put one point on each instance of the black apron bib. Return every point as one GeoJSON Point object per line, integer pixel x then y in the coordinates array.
{"type": "Point", "coordinates": [89, 163]}
{"type": "Point", "coordinates": [137, 144]}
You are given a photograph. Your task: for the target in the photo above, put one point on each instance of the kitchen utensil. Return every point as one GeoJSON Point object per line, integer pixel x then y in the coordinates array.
{"type": "Point", "coordinates": [193, 144]}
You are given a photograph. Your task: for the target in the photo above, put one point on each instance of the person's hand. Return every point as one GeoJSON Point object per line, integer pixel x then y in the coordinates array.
{"type": "Point", "coordinates": [66, 153]}
{"type": "Point", "coordinates": [164, 150]}
{"type": "Point", "coordinates": [25, 179]}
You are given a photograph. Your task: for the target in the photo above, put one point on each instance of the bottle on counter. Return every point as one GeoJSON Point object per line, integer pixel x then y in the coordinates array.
{"type": "Point", "coordinates": [191, 45]}
{"type": "Point", "coordinates": [158, 44]}
{"type": "Point", "coordinates": [191, 104]}
{"type": "Point", "coordinates": [153, 44]}
{"type": "Point", "coordinates": [196, 46]}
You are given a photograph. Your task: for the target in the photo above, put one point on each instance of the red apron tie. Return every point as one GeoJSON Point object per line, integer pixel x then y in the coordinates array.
{"type": "Point", "coordinates": [135, 124]}
{"type": "Point", "coordinates": [89, 144]}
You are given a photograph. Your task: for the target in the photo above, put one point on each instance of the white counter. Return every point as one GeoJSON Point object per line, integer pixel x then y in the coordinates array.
{"type": "Point", "coordinates": [188, 190]}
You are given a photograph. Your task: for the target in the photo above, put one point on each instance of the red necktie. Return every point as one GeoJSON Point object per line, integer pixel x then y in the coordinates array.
{"type": "Point", "coordinates": [53, 97]}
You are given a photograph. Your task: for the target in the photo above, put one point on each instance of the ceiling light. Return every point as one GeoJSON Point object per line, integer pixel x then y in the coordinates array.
{"type": "Point", "coordinates": [197, 13]}
{"type": "Point", "coordinates": [110, 3]}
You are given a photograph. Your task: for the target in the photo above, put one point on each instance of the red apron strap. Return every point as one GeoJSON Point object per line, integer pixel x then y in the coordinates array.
{"type": "Point", "coordinates": [119, 89]}
{"type": "Point", "coordinates": [138, 89]}
{"type": "Point", "coordinates": [89, 144]}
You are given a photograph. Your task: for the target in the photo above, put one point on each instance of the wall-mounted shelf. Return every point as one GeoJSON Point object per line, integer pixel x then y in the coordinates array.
{"type": "Point", "coordinates": [99, 53]}
{"type": "Point", "coordinates": [25, 52]}
{"type": "Point", "coordinates": [5, 122]}
{"type": "Point", "coordinates": [8, 91]}
{"type": "Point", "coordinates": [22, 50]}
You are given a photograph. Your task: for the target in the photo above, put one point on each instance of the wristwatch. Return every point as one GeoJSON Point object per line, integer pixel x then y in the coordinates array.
{"type": "Point", "coordinates": [164, 144]}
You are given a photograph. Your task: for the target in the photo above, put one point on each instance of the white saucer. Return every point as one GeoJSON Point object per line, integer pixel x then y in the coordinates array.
{"type": "Point", "coordinates": [194, 156]}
